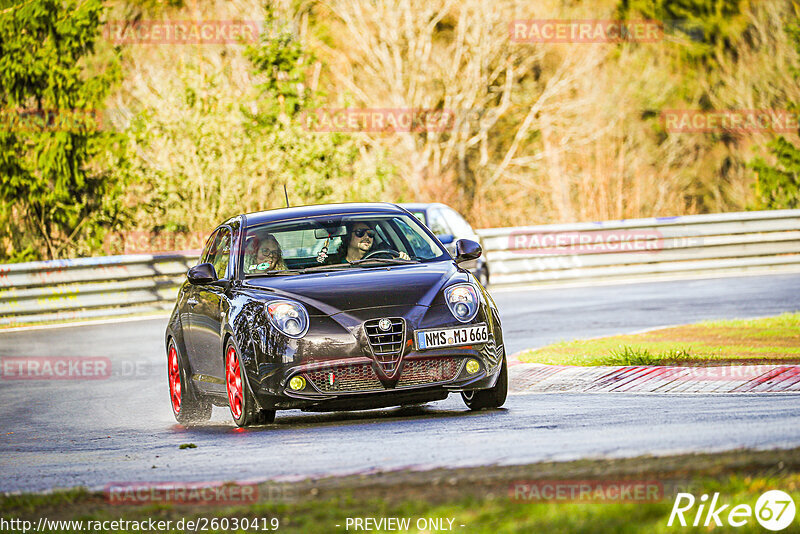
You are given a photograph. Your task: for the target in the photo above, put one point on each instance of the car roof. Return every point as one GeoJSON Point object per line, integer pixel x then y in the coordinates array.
{"type": "Point", "coordinates": [320, 210]}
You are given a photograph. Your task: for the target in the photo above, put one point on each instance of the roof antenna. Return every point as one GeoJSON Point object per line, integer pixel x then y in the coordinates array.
{"type": "Point", "coordinates": [286, 194]}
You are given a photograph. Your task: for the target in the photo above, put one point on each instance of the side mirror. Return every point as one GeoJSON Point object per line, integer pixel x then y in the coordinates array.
{"type": "Point", "coordinates": [203, 273]}
{"type": "Point", "coordinates": [467, 249]}
{"type": "Point", "coordinates": [446, 239]}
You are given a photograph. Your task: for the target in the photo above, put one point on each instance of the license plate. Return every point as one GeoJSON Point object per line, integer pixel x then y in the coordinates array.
{"type": "Point", "coordinates": [451, 337]}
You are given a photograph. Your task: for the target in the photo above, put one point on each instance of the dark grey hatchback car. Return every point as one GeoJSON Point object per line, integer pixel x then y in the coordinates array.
{"type": "Point", "coordinates": [277, 316]}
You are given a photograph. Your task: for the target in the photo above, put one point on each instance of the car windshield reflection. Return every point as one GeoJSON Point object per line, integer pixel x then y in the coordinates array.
{"type": "Point", "coordinates": [324, 244]}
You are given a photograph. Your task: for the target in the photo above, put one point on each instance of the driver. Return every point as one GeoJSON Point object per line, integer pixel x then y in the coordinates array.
{"type": "Point", "coordinates": [358, 242]}
{"type": "Point", "coordinates": [263, 255]}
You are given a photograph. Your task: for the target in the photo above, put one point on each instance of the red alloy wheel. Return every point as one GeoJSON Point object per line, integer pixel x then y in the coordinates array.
{"type": "Point", "coordinates": [174, 379]}
{"type": "Point", "coordinates": [233, 375]}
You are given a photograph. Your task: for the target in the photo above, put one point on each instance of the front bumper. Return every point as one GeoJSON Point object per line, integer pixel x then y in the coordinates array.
{"type": "Point", "coordinates": [359, 376]}
{"type": "Point", "coordinates": [341, 369]}
{"type": "Point", "coordinates": [354, 383]}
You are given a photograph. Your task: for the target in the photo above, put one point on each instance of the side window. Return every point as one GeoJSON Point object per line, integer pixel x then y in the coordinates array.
{"type": "Point", "coordinates": [437, 223]}
{"type": "Point", "coordinates": [421, 248]}
{"type": "Point", "coordinates": [206, 254]}
{"type": "Point", "coordinates": [381, 238]}
{"type": "Point", "coordinates": [220, 252]}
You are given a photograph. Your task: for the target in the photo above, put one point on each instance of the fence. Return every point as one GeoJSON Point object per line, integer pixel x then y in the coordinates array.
{"type": "Point", "coordinates": [90, 287]}
{"type": "Point", "coordinates": [638, 248]}
{"type": "Point", "coordinates": [758, 241]}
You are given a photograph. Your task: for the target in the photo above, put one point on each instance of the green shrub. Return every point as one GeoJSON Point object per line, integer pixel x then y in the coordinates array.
{"type": "Point", "coordinates": [59, 166]}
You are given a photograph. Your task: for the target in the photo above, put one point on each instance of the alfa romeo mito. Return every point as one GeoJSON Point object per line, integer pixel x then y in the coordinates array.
{"type": "Point", "coordinates": [331, 307]}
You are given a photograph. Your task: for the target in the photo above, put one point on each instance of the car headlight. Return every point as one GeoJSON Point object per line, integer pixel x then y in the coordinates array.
{"type": "Point", "coordinates": [290, 318]}
{"type": "Point", "coordinates": [462, 299]}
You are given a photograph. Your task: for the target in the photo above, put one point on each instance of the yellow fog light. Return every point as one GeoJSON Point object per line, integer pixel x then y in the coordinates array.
{"type": "Point", "coordinates": [297, 383]}
{"type": "Point", "coordinates": [473, 366]}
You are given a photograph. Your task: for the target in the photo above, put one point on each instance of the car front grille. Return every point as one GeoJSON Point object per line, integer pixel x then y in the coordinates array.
{"type": "Point", "coordinates": [387, 346]}
{"type": "Point", "coordinates": [429, 371]}
{"type": "Point", "coordinates": [362, 377]}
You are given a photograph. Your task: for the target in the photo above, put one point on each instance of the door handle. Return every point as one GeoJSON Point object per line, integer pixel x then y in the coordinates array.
{"type": "Point", "coordinates": [192, 302]}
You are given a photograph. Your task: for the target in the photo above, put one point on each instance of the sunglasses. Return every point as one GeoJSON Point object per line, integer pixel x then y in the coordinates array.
{"type": "Point", "coordinates": [361, 231]}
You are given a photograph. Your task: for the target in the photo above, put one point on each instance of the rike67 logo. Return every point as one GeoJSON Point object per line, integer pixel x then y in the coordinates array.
{"type": "Point", "coordinates": [774, 510]}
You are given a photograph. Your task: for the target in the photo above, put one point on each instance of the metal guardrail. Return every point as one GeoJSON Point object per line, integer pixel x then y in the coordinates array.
{"type": "Point", "coordinates": [637, 248]}
{"type": "Point", "coordinates": [90, 287]}
{"type": "Point", "coordinates": [758, 241]}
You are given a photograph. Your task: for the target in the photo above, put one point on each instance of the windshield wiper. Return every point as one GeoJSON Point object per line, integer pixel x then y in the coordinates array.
{"type": "Point", "coordinates": [340, 266]}
{"type": "Point", "coordinates": [318, 268]}
{"type": "Point", "coordinates": [277, 272]}
{"type": "Point", "coordinates": [391, 261]}
{"type": "Point", "coordinates": [334, 267]}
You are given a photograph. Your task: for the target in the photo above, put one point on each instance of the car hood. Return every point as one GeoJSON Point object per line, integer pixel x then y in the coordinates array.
{"type": "Point", "coordinates": [363, 287]}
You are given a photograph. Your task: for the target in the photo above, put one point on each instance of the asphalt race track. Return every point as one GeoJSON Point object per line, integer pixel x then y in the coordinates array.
{"type": "Point", "coordinates": [120, 429]}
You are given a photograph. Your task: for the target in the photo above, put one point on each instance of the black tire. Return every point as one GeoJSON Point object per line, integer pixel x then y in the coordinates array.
{"type": "Point", "coordinates": [243, 406]}
{"type": "Point", "coordinates": [191, 407]}
{"type": "Point", "coordinates": [493, 397]}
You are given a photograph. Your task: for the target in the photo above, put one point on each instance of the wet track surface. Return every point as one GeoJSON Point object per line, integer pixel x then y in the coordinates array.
{"type": "Point", "coordinates": [69, 433]}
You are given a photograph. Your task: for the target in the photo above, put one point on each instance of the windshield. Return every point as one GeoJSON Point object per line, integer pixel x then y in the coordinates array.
{"type": "Point", "coordinates": [340, 242]}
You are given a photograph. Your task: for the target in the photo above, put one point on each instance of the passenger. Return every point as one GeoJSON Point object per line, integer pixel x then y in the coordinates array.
{"type": "Point", "coordinates": [263, 255]}
{"type": "Point", "coordinates": [357, 243]}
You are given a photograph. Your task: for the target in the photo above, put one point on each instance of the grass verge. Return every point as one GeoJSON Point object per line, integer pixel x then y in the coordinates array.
{"type": "Point", "coordinates": [741, 341]}
{"type": "Point", "coordinates": [483, 499]}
